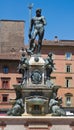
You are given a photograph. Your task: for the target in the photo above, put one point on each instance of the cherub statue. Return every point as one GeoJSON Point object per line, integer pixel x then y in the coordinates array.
{"type": "Point", "coordinates": [23, 67]}
{"type": "Point", "coordinates": [49, 65]}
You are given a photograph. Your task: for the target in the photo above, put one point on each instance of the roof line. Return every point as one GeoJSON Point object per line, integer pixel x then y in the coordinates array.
{"type": "Point", "coordinates": [12, 20]}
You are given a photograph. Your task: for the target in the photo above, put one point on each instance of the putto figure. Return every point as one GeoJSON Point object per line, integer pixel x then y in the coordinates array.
{"type": "Point", "coordinates": [36, 28]}
{"type": "Point", "coordinates": [49, 65]}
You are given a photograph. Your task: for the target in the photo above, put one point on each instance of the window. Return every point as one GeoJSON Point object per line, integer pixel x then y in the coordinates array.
{"type": "Point", "coordinates": [5, 98]}
{"type": "Point", "coordinates": [68, 82]}
{"type": "Point", "coordinates": [68, 68]}
{"type": "Point", "coordinates": [5, 69]}
{"type": "Point", "coordinates": [19, 80]}
{"type": "Point", "coordinates": [68, 55]}
{"type": "Point", "coordinates": [5, 83]}
{"type": "Point", "coordinates": [68, 99]}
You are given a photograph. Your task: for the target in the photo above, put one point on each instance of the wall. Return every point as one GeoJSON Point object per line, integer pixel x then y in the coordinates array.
{"type": "Point", "coordinates": [11, 35]}
{"type": "Point", "coordinates": [36, 123]}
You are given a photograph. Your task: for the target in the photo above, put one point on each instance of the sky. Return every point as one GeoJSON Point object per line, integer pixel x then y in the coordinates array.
{"type": "Point", "coordinates": [59, 15]}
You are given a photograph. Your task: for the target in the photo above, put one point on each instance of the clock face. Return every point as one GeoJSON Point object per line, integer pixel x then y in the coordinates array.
{"type": "Point", "coordinates": [36, 77]}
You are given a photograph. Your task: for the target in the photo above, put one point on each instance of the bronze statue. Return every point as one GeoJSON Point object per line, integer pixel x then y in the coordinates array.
{"type": "Point", "coordinates": [36, 94]}
{"type": "Point", "coordinates": [55, 107]}
{"type": "Point", "coordinates": [23, 67]}
{"type": "Point", "coordinates": [18, 105]}
{"type": "Point", "coordinates": [37, 27]}
{"type": "Point", "coordinates": [49, 65]}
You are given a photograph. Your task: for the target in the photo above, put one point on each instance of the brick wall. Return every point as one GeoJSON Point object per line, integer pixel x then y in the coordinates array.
{"type": "Point", "coordinates": [11, 35]}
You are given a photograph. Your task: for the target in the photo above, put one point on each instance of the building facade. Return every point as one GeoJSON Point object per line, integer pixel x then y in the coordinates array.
{"type": "Point", "coordinates": [63, 75]}
{"type": "Point", "coordinates": [11, 42]}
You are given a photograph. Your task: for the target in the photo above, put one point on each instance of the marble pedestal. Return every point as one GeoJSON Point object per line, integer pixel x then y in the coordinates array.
{"type": "Point", "coordinates": [36, 123]}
